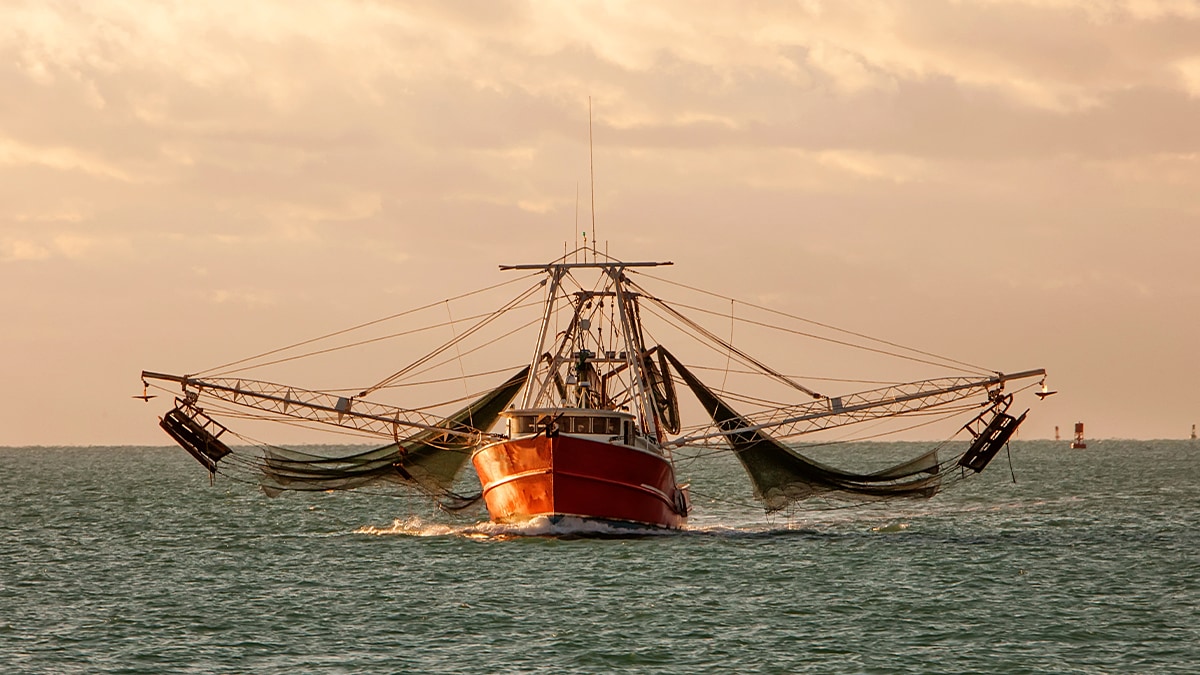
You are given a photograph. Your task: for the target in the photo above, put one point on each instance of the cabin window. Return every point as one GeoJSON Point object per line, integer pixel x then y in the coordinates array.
{"type": "Point", "coordinates": [600, 426]}
{"type": "Point", "coordinates": [525, 424]}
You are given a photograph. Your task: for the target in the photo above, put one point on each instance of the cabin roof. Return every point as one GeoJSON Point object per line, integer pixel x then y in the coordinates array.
{"type": "Point", "coordinates": [567, 412]}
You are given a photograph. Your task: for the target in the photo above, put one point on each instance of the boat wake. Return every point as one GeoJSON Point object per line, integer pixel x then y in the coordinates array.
{"type": "Point", "coordinates": [541, 526]}
{"type": "Point", "coordinates": [579, 528]}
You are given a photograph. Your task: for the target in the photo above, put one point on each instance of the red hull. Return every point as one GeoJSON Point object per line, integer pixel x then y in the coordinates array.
{"type": "Point", "coordinates": [578, 477]}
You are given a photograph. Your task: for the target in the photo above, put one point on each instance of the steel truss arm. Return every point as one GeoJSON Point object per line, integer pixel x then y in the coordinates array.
{"type": "Point", "coordinates": [315, 406]}
{"type": "Point", "coordinates": [839, 411]}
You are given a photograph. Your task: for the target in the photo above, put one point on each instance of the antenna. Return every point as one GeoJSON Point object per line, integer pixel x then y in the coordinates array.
{"type": "Point", "coordinates": [576, 221]}
{"type": "Point", "coordinates": [591, 173]}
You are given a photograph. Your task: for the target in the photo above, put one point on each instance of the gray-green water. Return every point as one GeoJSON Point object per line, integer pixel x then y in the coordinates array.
{"type": "Point", "coordinates": [125, 560]}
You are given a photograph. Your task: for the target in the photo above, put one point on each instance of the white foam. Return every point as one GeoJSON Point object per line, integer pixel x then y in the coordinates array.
{"type": "Point", "coordinates": [568, 527]}
{"type": "Point", "coordinates": [540, 526]}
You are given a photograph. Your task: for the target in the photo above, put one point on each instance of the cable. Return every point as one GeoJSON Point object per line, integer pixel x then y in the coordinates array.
{"type": "Point", "coordinates": [351, 345]}
{"type": "Point", "coordinates": [365, 325]}
{"type": "Point", "coordinates": [818, 323]}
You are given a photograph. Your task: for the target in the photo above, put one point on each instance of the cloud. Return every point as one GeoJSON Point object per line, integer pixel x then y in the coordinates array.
{"type": "Point", "coordinates": [13, 250]}
{"type": "Point", "coordinates": [73, 245]}
{"type": "Point", "coordinates": [60, 243]}
{"type": "Point", "coordinates": [1189, 71]}
{"type": "Point", "coordinates": [848, 71]}
{"type": "Point", "coordinates": [14, 153]}
{"type": "Point", "coordinates": [826, 153]}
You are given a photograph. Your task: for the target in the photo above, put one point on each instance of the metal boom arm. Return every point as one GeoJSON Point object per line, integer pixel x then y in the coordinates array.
{"type": "Point", "coordinates": [860, 407]}
{"type": "Point", "coordinates": [377, 418]}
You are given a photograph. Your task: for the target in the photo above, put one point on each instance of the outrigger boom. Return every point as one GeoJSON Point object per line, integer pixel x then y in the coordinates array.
{"type": "Point", "coordinates": [316, 406]}
{"type": "Point", "coordinates": [590, 426]}
{"type": "Point", "coordinates": [841, 410]}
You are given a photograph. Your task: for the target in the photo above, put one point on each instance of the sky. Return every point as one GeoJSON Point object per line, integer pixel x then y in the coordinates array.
{"type": "Point", "coordinates": [1010, 182]}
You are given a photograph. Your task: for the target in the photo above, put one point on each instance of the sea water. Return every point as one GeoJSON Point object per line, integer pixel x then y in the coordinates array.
{"type": "Point", "coordinates": [126, 560]}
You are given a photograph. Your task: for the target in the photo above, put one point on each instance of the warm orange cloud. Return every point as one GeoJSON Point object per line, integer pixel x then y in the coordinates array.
{"type": "Point", "coordinates": [185, 182]}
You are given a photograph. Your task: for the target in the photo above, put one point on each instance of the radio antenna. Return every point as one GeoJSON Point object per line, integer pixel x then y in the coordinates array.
{"type": "Point", "coordinates": [592, 172]}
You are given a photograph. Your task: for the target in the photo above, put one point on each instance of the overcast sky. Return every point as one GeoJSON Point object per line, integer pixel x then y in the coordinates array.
{"type": "Point", "coordinates": [1009, 182]}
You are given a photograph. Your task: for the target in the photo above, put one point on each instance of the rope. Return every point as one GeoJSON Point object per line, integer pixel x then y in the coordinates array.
{"type": "Point", "coordinates": [511, 304]}
{"type": "Point", "coordinates": [453, 334]}
{"type": "Point", "coordinates": [940, 363]}
{"type": "Point", "coordinates": [889, 383]}
{"type": "Point", "coordinates": [822, 325]}
{"type": "Point", "coordinates": [364, 325]}
{"type": "Point", "coordinates": [360, 343]}
{"type": "Point", "coordinates": [729, 355]}
{"type": "Point", "coordinates": [725, 345]}
{"type": "Point", "coordinates": [439, 364]}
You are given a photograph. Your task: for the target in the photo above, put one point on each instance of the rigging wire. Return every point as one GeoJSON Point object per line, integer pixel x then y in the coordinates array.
{"type": "Point", "coordinates": [798, 377]}
{"type": "Point", "coordinates": [443, 380]}
{"type": "Point", "coordinates": [439, 364]}
{"type": "Point", "coordinates": [720, 341]}
{"type": "Point", "coordinates": [512, 304]}
{"type": "Point", "coordinates": [728, 354]}
{"type": "Point", "coordinates": [818, 323]}
{"type": "Point", "coordinates": [351, 345]}
{"type": "Point", "coordinates": [940, 415]}
{"type": "Point", "coordinates": [241, 413]}
{"type": "Point", "coordinates": [722, 347]}
{"type": "Point", "coordinates": [833, 341]}
{"type": "Point", "coordinates": [367, 324]}
{"type": "Point", "coordinates": [712, 450]}
{"type": "Point", "coordinates": [457, 350]}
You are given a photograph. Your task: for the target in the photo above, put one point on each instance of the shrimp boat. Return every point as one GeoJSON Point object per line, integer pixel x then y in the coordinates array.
{"type": "Point", "coordinates": [593, 425]}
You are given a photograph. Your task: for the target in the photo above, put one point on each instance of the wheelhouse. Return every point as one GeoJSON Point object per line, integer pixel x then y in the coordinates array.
{"type": "Point", "coordinates": [603, 425]}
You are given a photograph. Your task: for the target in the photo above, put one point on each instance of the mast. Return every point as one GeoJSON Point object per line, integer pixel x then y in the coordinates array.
{"type": "Point", "coordinates": [632, 334]}
{"type": "Point", "coordinates": [532, 385]}
{"type": "Point", "coordinates": [547, 361]}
